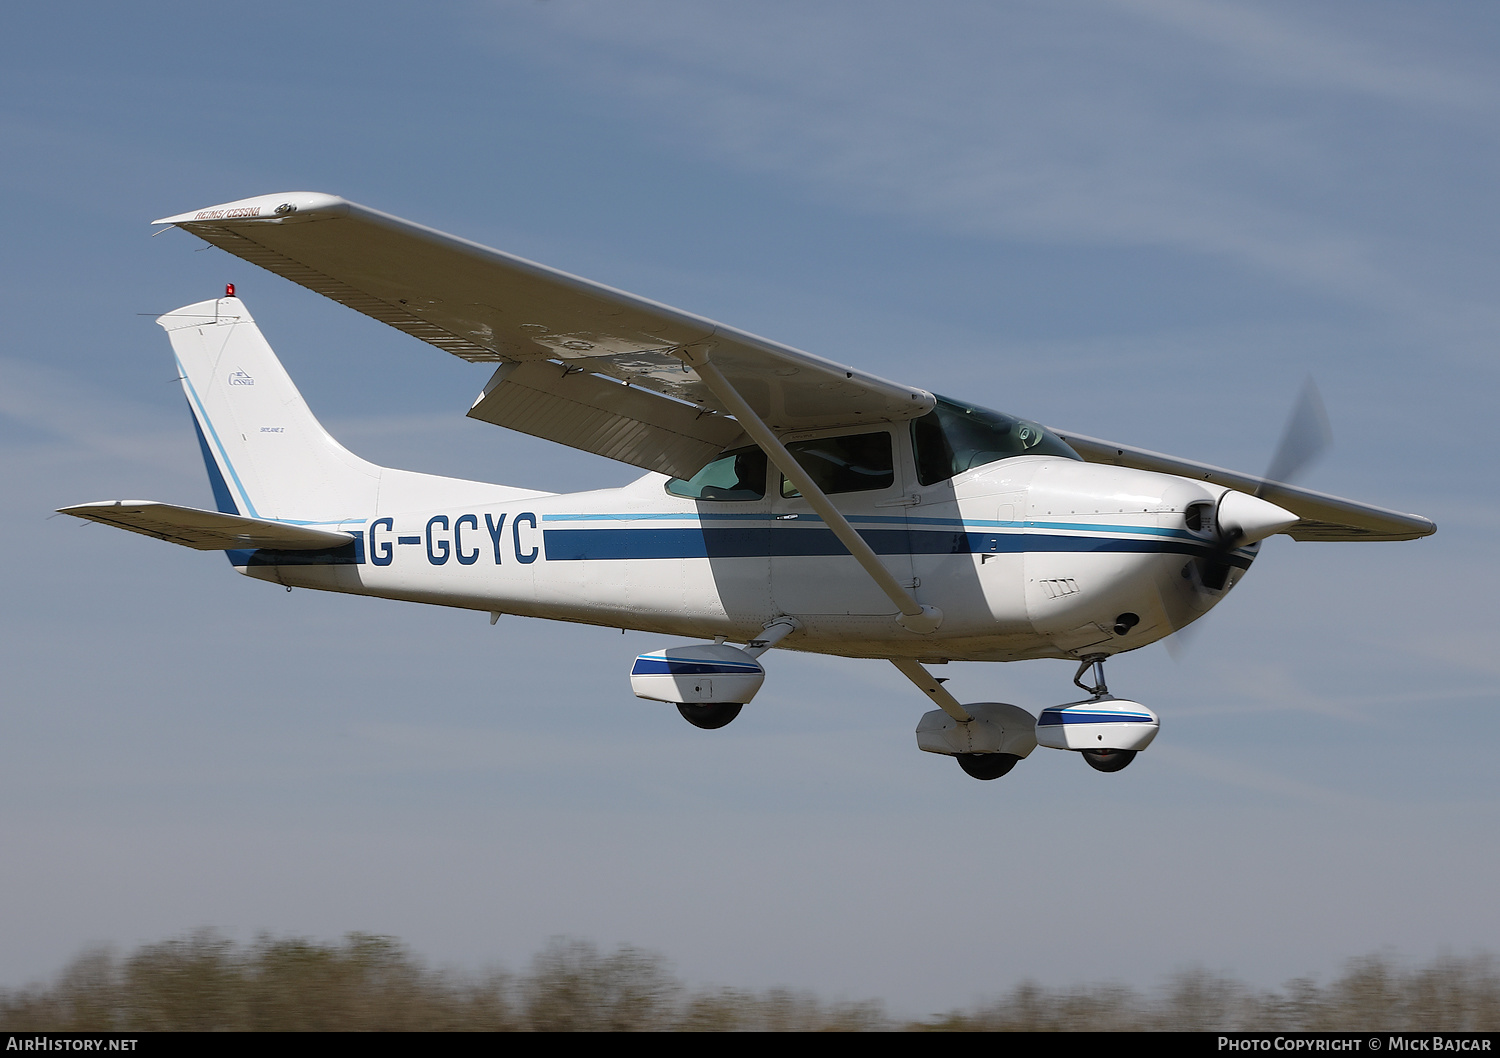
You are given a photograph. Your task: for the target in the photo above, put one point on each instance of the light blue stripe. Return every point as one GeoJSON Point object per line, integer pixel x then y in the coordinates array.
{"type": "Point", "coordinates": [895, 521]}
{"type": "Point", "coordinates": [203, 416]}
{"type": "Point", "coordinates": [1145, 530]}
{"type": "Point", "coordinates": [662, 517]}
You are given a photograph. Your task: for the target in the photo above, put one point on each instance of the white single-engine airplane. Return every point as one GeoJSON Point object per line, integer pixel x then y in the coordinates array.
{"type": "Point", "coordinates": [791, 501]}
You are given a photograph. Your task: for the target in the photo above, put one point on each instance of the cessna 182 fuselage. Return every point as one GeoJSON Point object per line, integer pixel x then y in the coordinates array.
{"type": "Point", "coordinates": [792, 501]}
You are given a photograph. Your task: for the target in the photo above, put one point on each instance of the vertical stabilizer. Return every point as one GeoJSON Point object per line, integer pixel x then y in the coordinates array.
{"type": "Point", "coordinates": [267, 455]}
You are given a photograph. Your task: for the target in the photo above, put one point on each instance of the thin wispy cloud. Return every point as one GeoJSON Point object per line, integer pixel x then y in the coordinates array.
{"type": "Point", "coordinates": [68, 420]}
{"type": "Point", "coordinates": [1037, 122]}
{"type": "Point", "coordinates": [1289, 47]}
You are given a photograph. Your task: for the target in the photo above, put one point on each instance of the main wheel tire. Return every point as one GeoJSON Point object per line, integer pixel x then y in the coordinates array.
{"type": "Point", "coordinates": [1108, 759]}
{"type": "Point", "coordinates": [987, 765]}
{"type": "Point", "coordinates": [710, 717]}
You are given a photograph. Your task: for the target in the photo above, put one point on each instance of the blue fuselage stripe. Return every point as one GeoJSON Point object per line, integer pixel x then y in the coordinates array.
{"type": "Point", "coordinates": [861, 519]}
{"type": "Point", "coordinates": [575, 545]}
{"type": "Point", "coordinates": [1051, 719]}
{"type": "Point", "coordinates": [679, 667]}
{"type": "Point", "coordinates": [350, 554]}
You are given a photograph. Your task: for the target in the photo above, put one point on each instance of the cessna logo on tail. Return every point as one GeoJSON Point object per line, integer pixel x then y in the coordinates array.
{"type": "Point", "coordinates": [239, 378]}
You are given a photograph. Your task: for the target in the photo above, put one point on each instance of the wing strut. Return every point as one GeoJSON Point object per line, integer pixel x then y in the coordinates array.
{"type": "Point", "coordinates": [915, 617]}
{"type": "Point", "coordinates": [933, 688]}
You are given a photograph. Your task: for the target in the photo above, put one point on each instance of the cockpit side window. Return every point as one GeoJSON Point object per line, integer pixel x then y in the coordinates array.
{"type": "Point", "coordinates": [736, 475]}
{"type": "Point", "coordinates": [852, 463]}
{"type": "Point", "coordinates": [955, 437]}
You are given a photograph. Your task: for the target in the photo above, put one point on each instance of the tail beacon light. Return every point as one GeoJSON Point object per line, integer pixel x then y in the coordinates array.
{"type": "Point", "coordinates": [699, 673]}
{"type": "Point", "coordinates": [1099, 723]}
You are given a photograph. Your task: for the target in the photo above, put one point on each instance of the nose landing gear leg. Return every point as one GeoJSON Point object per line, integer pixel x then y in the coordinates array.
{"type": "Point", "coordinates": [1106, 760]}
{"type": "Point", "coordinates": [1099, 689]}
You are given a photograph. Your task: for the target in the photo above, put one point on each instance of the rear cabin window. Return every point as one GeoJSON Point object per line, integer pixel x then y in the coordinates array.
{"type": "Point", "coordinates": [736, 475]}
{"type": "Point", "coordinates": [955, 437]}
{"type": "Point", "coordinates": [855, 463]}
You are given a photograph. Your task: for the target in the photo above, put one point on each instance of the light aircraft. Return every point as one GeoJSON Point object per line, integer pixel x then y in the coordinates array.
{"type": "Point", "coordinates": [790, 501]}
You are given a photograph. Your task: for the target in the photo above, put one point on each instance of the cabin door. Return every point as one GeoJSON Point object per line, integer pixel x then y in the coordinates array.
{"type": "Point", "coordinates": [864, 475]}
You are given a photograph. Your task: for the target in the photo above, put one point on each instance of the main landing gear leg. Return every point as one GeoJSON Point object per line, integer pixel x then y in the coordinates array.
{"type": "Point", "coordinates": [724, 665]}
{"type": "Point", "coordinates": [986, 738]}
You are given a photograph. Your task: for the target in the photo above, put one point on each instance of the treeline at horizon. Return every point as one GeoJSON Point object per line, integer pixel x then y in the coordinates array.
{"type": "Point", "coordinates": [205, 982]}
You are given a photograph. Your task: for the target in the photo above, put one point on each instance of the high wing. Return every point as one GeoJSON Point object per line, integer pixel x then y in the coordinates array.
{"type": "Point", "coordinates": [1324, 517]}
{"type": "Point", "coordinates": [581, 363]}
{"type": "Point", "coordinates": [206, 530]}
{"type": "Point", "coordinates": [608, 372]}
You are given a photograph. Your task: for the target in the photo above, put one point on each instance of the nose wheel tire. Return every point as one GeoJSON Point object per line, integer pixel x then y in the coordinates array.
{"type": "Point", "coordinates": [987, 765]}
{"type": "Point", "coordinates": [1108, 759]}
{"type": "Point", "coordinates": [710, 717]}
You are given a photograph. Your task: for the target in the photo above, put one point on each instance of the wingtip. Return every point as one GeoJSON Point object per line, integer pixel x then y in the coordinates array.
{"type": "Point", "coordinates": [287, 205]}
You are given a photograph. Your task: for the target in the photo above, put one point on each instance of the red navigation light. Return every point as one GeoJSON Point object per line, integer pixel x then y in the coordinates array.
{"type": "Point", "coordinates": [229, 290]}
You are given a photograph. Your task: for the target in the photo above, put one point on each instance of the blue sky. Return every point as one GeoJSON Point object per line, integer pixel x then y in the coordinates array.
{"type": "Point", "coordinates": [1145, 220]}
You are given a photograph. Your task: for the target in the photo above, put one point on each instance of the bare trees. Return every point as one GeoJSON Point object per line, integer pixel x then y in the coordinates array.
{"type": "Point", "coordinates": [205, 982]}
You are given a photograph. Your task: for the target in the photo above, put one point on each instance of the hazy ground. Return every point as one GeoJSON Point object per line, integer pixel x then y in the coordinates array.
{"type": "Point", "coordinates": [205, 983]}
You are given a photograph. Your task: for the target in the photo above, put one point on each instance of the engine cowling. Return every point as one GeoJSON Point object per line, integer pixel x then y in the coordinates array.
{"type": "Point", "coordinates": [697, 674]}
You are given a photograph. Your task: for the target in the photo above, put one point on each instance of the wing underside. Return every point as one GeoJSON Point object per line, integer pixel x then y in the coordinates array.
{"type": "Point", "coordinates": [608, 372]}
{"type": "Point", "coordinates": [487, 306]}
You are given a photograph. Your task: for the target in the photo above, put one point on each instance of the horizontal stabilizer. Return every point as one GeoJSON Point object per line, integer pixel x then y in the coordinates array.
{"type": "Point", "coordinates": [1322, 517]}
{"type": "Point", "coordinates": [205, 530]}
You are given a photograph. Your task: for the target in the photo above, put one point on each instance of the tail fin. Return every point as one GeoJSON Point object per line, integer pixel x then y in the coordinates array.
{"type": "Point", "coordinates": [267, 455]}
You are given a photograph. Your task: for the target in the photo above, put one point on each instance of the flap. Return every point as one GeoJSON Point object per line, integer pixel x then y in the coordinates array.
{"type": "Point", "coordinates": [608, 418]}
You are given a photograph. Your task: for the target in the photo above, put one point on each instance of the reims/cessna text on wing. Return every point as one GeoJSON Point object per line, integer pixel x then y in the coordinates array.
{"type": "Point", "coordinates": [791, 501]}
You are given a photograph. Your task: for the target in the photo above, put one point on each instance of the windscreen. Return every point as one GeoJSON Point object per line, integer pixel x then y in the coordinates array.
{"type": "Point", "coordinates": [955, 437]}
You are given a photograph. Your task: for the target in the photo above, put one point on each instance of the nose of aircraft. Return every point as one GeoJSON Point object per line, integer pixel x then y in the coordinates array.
{"type": "Point", "coordinates": [1248, 518]}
